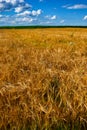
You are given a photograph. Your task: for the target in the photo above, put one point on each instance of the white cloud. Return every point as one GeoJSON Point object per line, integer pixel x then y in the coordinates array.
{"type": "Point", "coordinates": [77, 6]}
{"type": "Point", "coordinates": [13, 1]}
{"type": "Point", "coordinates": [39, 11]}
{"type": "Point", "coordinates": [1, 16]}
{"type": "Point", "coordinates": [18, 5]}
{"type": "Point", "coordinates": [85, 17]}
{"type": "Point", "coordinates": [24, 13]}
{"type": "Point", "coordinates": [36, 13]}
{"type": "Point", "coordinates": [4, 18]}
{"type": "Point", "coordinates": [51, 17]}
{"type": "Point", "coordinates": [62, 21]}
{"type": "Point", "coordinates": [21, 8]}
{"type": "Point", "coordinates": [30, 13]}
{"type": "Point", "coordinates": [24, 19]}
{"type": "Point", "coordinates": [2, 6]}
{"type": "Point", "coordinates": [13, 20]}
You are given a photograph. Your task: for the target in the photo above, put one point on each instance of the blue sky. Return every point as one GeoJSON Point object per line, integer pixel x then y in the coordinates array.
{"type": "Point", "coordinates": [43, 12]}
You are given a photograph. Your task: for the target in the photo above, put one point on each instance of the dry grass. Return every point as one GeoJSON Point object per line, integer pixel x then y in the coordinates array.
{"type": "Point", "coordinates": [43, 79]}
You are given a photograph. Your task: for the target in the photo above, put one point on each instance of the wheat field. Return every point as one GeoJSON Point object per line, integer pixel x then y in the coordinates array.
{"type": "Point", "coordinates": [43, 79]}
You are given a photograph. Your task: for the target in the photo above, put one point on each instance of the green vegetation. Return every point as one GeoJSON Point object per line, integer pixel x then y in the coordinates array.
{"type": "Point", "coordinates": [38, 26]}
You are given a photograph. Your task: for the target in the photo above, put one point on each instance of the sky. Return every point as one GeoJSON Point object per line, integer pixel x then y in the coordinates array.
{"type": "Point", "coordinates": [43, 12]}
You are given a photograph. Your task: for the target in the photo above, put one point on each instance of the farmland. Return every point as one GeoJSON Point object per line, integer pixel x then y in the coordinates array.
{"type": "Point", "coordinates": [43, 79]}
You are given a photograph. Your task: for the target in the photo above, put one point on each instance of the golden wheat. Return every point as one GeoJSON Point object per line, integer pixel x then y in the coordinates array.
{"type": "Point", "coordinates": [43, 79]}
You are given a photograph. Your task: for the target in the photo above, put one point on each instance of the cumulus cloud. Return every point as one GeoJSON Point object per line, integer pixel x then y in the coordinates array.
{"type": "Point", "coordinates": [51, 17]}
{"type": "Point", "coordinates": [36, 13]}
{"type": "Point", "coordinates": [85, 17]}
{"type": "Point", "coordinates": [20, 8]}
{"type": "Point", "coordinates": [13, 20]}
{"type": "Point", "coordinates": [24, 13]}
{"type": "Point", "coordinates": [25, 17]}
{"type": "Point", "coordinates": [30, 13]}
{"type": "Point", "coordinates": [77, 6]}
{"type": "Point", "coordinates": [18, 5]}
